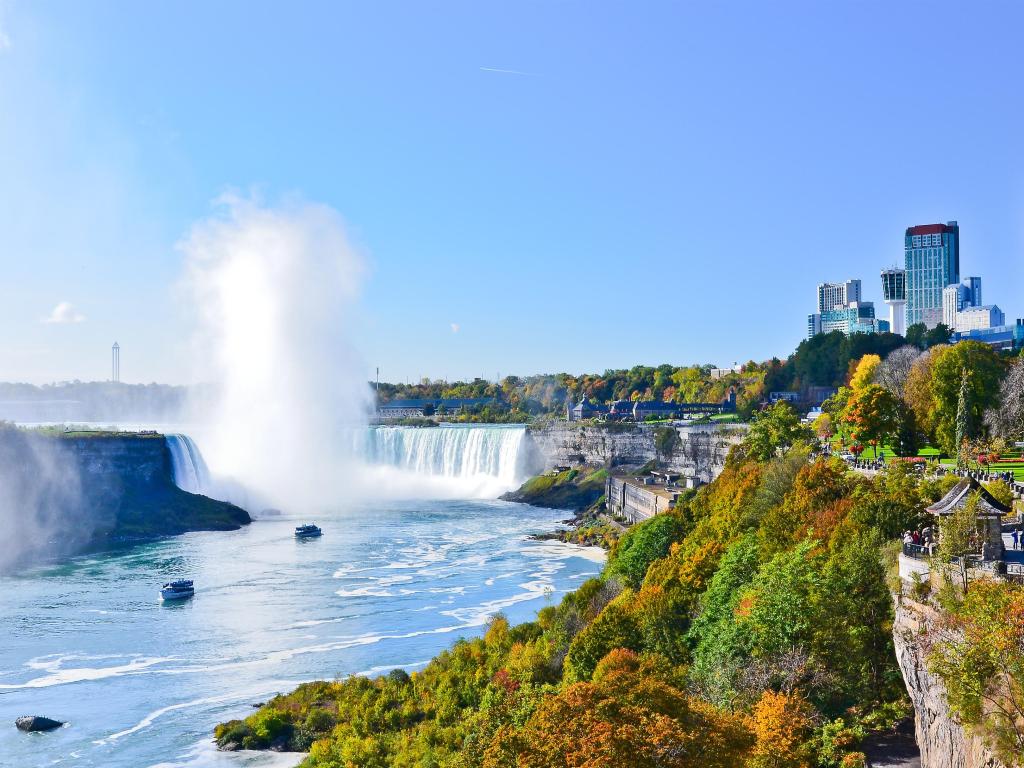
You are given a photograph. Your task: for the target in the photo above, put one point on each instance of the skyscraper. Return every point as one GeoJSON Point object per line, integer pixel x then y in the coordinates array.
{"type": "Point", "coordinates": [841, 308]}
{"type": "Point", "coordinates": [894, 293]}
{"type": "Point", "coordinates": [115, 363]}
{"type": "Point", "coordinates": [834, 295]}
{"type": "Point", "coordinates": [932, 262]}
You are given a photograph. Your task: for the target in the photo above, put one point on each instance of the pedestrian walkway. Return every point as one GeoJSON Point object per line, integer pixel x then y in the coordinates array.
{"type": "Point", "coordinates": [1011, 555]}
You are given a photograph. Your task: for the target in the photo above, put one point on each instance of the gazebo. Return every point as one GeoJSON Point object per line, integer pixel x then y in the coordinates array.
{"type": "Point", "coordinates": [990, 513]}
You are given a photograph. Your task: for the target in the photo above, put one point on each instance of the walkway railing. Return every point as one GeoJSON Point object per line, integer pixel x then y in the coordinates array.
{"type": "Point", "coordinates": [916, 551]}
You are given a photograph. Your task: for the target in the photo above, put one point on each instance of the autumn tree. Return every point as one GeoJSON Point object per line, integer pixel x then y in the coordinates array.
{"type": "Point", "coordinates": [781, 725]}
{"type": "Point", "coordinates": [631, 714]}
{"type": "Point", "coordinates": [919, 392]}
{"type": "Point", "coordinates": [864, 371]}
{"type": "Point", "coordinates": [872, 415]}
{"type": "Point", "coordinates": [980, 658]}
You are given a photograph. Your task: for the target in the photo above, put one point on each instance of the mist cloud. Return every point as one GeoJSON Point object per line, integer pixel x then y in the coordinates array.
{"type": "Point", "coordinates": [274, 290]}
{"type": "Point", "coordinates": [42, 509]}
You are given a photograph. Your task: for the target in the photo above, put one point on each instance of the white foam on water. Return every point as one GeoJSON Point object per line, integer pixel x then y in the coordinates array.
{"type": "Point", "coordinates": [60, 676]}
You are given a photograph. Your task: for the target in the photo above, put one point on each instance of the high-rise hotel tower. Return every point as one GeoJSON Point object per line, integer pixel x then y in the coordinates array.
{"type": "Point", "coordinates": [932, 263]}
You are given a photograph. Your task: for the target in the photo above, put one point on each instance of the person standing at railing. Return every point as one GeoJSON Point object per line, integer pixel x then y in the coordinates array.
{"type": "Point", "coordinates": [1016, 538]}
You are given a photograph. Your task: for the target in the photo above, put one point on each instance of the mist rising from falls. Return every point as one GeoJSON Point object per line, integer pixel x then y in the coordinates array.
{"type": "Point", "coordinates": [274, 290]}
{"type": "Point", "coordinates": [446, 461]}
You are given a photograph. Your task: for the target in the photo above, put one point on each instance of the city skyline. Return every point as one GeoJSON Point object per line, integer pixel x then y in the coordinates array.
{"type": "Point", "coordinates": [510, 187]}
{"type": "Point", "coordinates": [927, 291]}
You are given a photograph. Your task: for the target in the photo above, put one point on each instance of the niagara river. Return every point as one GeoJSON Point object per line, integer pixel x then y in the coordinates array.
{"type": "Point", "coordinates": [393, 581]}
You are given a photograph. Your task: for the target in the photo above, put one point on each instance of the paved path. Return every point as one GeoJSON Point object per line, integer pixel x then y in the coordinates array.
{"type": "Point", "coordinates": [1011, 555]}
{"type": "Point", "coordinates": [896, 749]}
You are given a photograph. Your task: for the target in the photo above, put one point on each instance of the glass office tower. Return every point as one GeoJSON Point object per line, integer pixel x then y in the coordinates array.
{"type": "Point", "coordinates": [932, 263]}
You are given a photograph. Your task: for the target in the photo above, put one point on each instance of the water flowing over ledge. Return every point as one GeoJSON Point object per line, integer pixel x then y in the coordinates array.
{"type": "Point", "coordinates": [190, 471]}
{"type": "Point", "coordinates": [447, 461]}
{"type": "Point", "coordinates": [476, 460]}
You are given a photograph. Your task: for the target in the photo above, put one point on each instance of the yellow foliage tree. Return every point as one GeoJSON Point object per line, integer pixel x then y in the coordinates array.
{"type": "Point", "coordinates": [781, 725]}
{"type": "Point", "coordinates": [864, 373]}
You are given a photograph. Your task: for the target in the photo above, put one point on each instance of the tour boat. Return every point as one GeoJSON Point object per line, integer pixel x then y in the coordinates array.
{"type": "Point", "coordinates": [307, 531]}
{"type": "Point", "coordinates": [177, 590]}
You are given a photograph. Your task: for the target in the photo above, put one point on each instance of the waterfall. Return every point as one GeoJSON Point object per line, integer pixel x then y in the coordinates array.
{"type": "Point", "coordinates": [485, 455]}
{"type": "Point", "coordinates": [190, 472]}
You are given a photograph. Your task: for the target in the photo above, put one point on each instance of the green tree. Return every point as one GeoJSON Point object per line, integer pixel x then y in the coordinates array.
{"type": "Point", "coordinates": [642, 545]}
{"type": "Point", "coordinates": [958, 537]}
{"type": "Point", "coordinates": [614, 628]}
{"type": "Point", "coordinates": [853, 638]}
{"type": "Point", "coordinates": [916, 335]}
{"type": "Point", "coordinates": [984, 373]}
{"type": "Point", "coordinates": [938, 335]}
{"type": "Point", "coordinates": [774, 431]}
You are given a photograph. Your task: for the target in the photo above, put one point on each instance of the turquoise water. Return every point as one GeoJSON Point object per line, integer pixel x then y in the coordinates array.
{"type": "Point", "coordinates": [143, 684]}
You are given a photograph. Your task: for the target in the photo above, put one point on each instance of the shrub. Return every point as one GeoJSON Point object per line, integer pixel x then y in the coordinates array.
{"type": "Point", "coordinates": [268, 724]}
{"type": "Point", "coordinates": [642, 545]}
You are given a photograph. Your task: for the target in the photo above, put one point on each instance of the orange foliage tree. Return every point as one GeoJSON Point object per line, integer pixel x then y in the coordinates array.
{"type": "Point", "coordinates": [781, 725]}
{"type": "Point", "coordinates": [631, 714]}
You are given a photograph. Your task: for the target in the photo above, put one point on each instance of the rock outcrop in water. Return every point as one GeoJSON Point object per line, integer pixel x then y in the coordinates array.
{"type": "Point", "coordinates": [36, 723]}
{"type": "Point", "coordinates": [943, 741]}
{"type": "Point", "coordinates": [65, 493]}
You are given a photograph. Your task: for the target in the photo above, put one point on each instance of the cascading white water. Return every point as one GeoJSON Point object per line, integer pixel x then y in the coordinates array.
{"type": "Point", "coordinates": [456, 460]}
{"type": "Point", "coordinates": [190, 471]}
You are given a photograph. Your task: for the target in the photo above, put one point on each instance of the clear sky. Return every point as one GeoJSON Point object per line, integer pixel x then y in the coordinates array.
{"type": "Point", "coordinates": [536, 186]}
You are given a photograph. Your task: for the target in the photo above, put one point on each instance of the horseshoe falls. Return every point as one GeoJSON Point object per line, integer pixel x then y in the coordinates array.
{"type": "Point", "coordinates": [447, 461]}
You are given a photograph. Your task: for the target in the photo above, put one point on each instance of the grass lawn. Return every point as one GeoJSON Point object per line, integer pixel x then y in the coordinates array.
{"type": "Point", "coordinates": [886, 453]}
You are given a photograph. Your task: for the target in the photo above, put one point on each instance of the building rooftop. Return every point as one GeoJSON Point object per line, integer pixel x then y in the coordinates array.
{"type": "Point", "coordinates": [988, 505]}
{"type": "Point", "coordinates": [929, 229]}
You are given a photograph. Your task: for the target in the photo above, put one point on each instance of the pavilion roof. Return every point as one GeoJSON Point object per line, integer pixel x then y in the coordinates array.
{"type": "Point", "coordinates": [988, 504]}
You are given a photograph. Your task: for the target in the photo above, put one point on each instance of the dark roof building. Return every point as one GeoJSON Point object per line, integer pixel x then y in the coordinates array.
{"type": "Point", "coordinates": [584, 409]}
{"type": "Point", "coordinates": [988, 505]}
{"type": "Point", "coordinates": [990, 512]}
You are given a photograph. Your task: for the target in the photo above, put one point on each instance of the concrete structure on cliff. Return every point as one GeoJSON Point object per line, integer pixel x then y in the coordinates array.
{"type": "Point", "coordinates": [640, 497]}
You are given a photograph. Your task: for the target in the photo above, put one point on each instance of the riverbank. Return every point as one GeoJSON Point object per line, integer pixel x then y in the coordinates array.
{"type": "Point", "coordinates": [390, 584]}
{"type": "Point", "coordinates": [581, 491]}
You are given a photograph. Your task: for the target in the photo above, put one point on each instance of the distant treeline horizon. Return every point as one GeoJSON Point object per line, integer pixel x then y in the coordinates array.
{"type": "Point", "coordinates": [822, 361]}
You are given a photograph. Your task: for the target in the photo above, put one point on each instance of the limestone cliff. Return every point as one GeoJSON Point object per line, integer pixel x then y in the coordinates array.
{"type": "Point", "coordinates": [696, 451]}
{"type": "Point", "coordinates": [62, 494]}
{"type": "Point", "coordinates": [943, 741]}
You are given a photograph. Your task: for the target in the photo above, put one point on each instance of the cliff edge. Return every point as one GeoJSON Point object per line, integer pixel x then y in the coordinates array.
{"type": "Point", "coordinates": [63, 494]}
{"type": "Point", "coordinates": [943, 741]}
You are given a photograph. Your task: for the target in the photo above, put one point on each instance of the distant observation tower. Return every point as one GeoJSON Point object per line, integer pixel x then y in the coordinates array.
{"type": "Point", "coordinates": [115, 363]}
{"type": "Point", "coordinates": [894, 293]}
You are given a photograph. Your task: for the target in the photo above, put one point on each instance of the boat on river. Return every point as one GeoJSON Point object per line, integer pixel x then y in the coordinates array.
{"type": "Point", "coordinates": [309, 531]}
{"type": "Point", "coordinates": [179, 589]}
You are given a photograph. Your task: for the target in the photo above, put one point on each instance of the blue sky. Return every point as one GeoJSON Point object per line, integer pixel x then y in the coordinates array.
{"type": "Point", "coordinates": [650, 182]}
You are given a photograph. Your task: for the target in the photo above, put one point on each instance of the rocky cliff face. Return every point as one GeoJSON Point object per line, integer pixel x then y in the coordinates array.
{"type": "Point", "coordinates": [64, 494]}
{"type": "Point", "coordinates": [942, 740]}
{"type": "Point", "coordinates": [696, 451]}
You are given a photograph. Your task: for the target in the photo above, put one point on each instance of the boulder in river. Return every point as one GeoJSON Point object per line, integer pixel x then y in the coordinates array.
{"type": "Point", "coordinates": [37, 723]}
